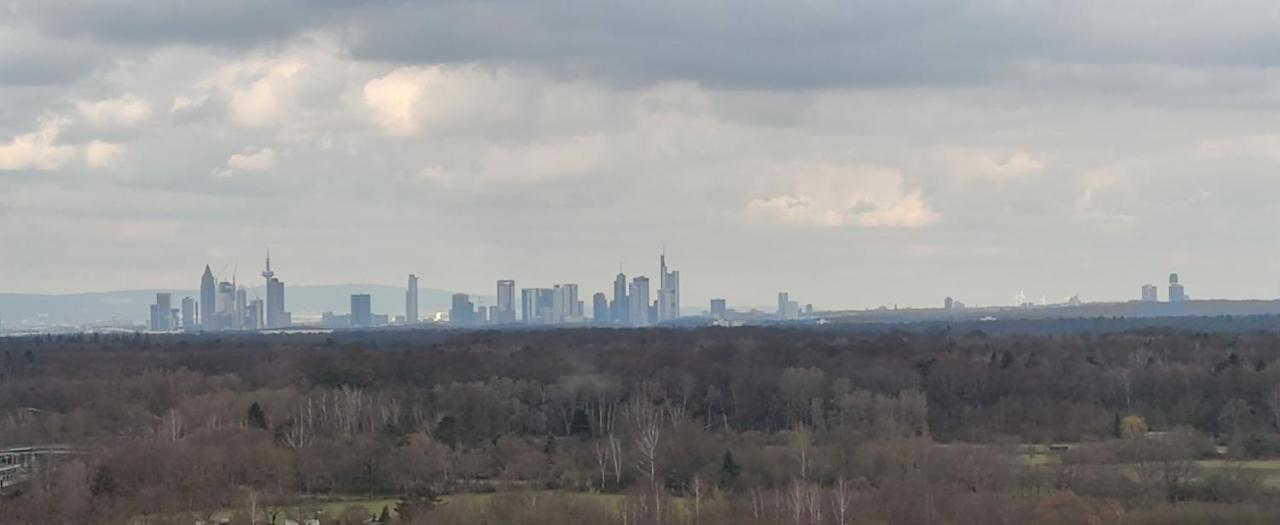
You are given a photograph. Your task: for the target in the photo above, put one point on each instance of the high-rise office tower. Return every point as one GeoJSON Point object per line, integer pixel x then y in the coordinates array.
{"type": "Point", "coordinates": [361, 311]}
{"type": "Point", "coordinates": [600, 308]}
{"type": "Point", "coordinates": [254, 315]}
{"type": "Point", "coordinates": [463, 311]}
{"type": "Point", "coordinates": [528, 305]}
{"type": "Point", "coordinates": [161, 318]}
{"type": "Point", "coordinates": [225, 306]}
{"type": "Point", "coordinates": [621, 306]}
{"type": "Point", "coordinates": [783, 300]}
{"type": "Point", "coordinates": [506, 307]}
{"type": "Point", "coordinates": [276, 317]}
{"type": "Point", "coordinates": [546, 304]}
{"type": "Point", "coordinates": [188, 314]}
{"type": "Point", "coordinates": [1150, 293]}
{"type": "Point", "coordinates": [668, 291]}
{"type": "Point", "coordinates": [537, 305]}
{"type": "Point", "coordinates": [639, 301]}
{"type": "Point", "coordinates": [565, 305]}
{"type": "Point", "coordinates": [1177, 293]}
{"type": "Point", "coordinates": [411, 301]}
{"type": "Point", "coordinates": [208, 300]}
{"type": "Point", "coordinates": [241, 306]}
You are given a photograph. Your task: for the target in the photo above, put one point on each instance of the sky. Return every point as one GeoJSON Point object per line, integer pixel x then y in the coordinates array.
{"type": "Point", "coordinates": [854, 153]}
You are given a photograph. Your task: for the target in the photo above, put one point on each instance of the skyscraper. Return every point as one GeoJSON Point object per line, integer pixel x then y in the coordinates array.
{"type": "Point", "coordinates": [506, 307]}
{"type": "Point", "coordinates": [668, 291]}
{"type": "Point", "coordinates": [253, 315]}
{"type": "Point", "coordinates": [238, 314]}
{"type": "Point", "coordinates": [161, 317]}
{"type": "Point", "coordinates": [411, 301]}
{"type": "Point", "coordinates": [208, 300]}
{"type": "Point", "coordinates": [1177, 293]}
{"type": "Point", "coordinates": [783, 300]}
{"type": "Point", "coordinates": [600, 308]}
{"type": "Point", "coordinates": [463, 311]}
{"type": "Point", "coordinates": [565, 305]}
{"type": "Point", "coordinates": [639, 301]}
{"type": "Point", "coordinates": [537, 305]}
{"type": "Point", "coordinates": [275, 314]}
{"type": "Point", "coordinates": [1150, 293]}
{"type": "Point", "coordinates": [188, 314]}
{"type": "Point", "coordinates": [225, 306]}
{"type": "Point", "coordinates": [361, 311]}
{"type": "Point", "coordinates": [621, 307]}
{"type": "Point", "coordinates": [528, 305]}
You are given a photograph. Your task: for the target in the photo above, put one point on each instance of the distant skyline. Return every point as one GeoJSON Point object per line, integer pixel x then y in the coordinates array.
{"type": "Point", "coordinates": [852, 153]}
{"type": "Point", "coordinates": [1139, 292]}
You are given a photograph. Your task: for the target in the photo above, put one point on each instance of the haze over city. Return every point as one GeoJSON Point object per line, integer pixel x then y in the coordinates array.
{"type": "Point", "coordinates": [856, 154]}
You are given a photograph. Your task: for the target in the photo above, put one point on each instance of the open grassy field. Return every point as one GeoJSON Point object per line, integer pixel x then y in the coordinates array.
{"type": "Point", "coordinates": [476, 502]}
{"type": "Point", "coordinates": [1268, 470]}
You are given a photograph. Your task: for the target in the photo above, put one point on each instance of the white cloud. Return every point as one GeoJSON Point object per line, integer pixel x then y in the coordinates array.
{"type": "Point", "coordinates": [36, 150]}
{"type": "Point", "coordinates": [124, 112]}
{"type": "Point", "coordinates": [268, 94]}
{"type": "Point", "coordinates": [277, 91]}
{"type": "Point", "coordinates": [987, 163]}
{"type": "Point", "coordinates": [831, 196]}
{"type": "Point", "coordinates": [250, 160]}
{"type": "Point", "coordinates": [102, 155]}
{"type": "Point", "coordinates": [410, 100]}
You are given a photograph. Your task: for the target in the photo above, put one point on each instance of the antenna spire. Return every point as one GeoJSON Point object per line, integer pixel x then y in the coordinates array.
{"type": "Point", "coordinates": [268, 274]}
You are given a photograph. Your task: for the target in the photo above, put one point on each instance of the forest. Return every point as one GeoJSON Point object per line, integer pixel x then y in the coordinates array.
{"type": "Point", "coordinates": [754, 425]}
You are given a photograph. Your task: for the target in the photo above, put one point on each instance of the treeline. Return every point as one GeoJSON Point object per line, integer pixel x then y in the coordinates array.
{"type": "Point", "coordinates": [753, 423]}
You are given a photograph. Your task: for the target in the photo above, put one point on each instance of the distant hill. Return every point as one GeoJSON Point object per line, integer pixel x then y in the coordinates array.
{"type": "Point", "coordinates": [132, 306]}
{"type": "Point", "coordinates": [1125, 310]}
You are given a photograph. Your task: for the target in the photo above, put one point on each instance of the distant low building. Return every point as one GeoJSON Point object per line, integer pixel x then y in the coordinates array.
{"type": "Point", "coordinates": [718, 309]}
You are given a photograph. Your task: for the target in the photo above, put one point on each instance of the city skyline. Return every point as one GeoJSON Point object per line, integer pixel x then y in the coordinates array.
{"type": "Point", "coordinates": [563, 302]}
{"type": "Point", "coordinates": [704, 295]}
{"type": "Point", "coordinates": [633, 304]}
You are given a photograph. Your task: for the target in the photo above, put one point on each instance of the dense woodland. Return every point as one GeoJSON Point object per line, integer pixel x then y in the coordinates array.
{"type": "Point", "coordinates": [745, 425]}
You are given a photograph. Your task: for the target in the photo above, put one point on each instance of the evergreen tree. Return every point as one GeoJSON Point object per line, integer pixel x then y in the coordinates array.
{"type": "Point", "coordinates": [447, 431]}
{"type": "Point", "coordinates": [257, 418]}
{"type": "Point", "coordinates": [385, 517]}
{"type": "Point", "coordinates": [729, 471]}
{"type": "Point", "coordinates": [580, 424]}
{"type": "Point", "coordinates": [416, 503]}
{"type": "Point", "coordinates": [103, 482]}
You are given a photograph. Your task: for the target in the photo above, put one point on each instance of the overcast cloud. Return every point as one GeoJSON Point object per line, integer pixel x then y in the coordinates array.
{"type": "Point", "coordinates": [854, 153]}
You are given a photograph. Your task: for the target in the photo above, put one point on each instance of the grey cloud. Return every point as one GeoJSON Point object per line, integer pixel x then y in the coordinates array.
{"type": "Point", "coordinates": [29, 58]}
{"type": "Point", "coordinates": [236, 23]}
{"type": "Point", "coordinates": [754, 43]}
